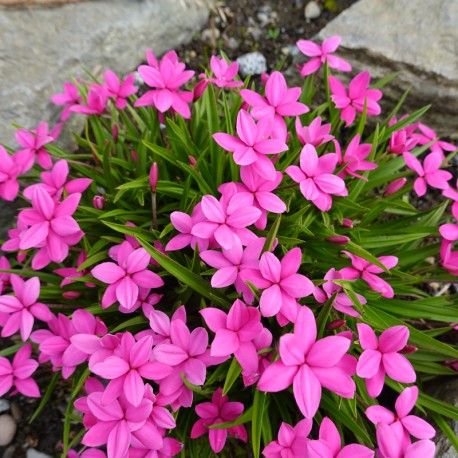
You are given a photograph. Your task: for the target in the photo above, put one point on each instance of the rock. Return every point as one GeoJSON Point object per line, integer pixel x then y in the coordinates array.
{"type": "Point", "coordinates": [4, 405]}
{"type": "Point", "coordinates": [255, 32]}
{"type": "Point", "coordinates": [425, 56]}
{"type": "Point", "coordinates": [447, 392]}
{"type": "Point", "coordinates": [32, 453]}
{"type": "Point", "coordinates": [312, 11]}
{"type": "Point", "coordinates": [210, 35]}
{"type": "Point", "coordinates": [253, 63]}
{"type": "Point", "coordinates": [8, 212]}
{"type": "Point", "coordinates": [41, 47]}
{"type": "Point", "coordinates": [7, 429]}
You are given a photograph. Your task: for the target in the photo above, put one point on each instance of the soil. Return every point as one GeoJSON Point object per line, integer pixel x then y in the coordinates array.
{"type": "Point", "coordinates": [237, 27]}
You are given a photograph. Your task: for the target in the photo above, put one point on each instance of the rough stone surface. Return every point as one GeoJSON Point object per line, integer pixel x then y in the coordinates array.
{"type": "Point", "coordinates": [418, 38]}
{"type": "Point", "coordinates": [7, 429]}
{"type": "Point", "coordinates": [447, 392]}
{"type": "Point", "coordinates": [312, 10]}
{"type": "Point", "coordinates": [32, 453]}
{"type": "Point", "coordinates": [42, 47]}
{"type": "Point", "coordinates": [4, 405]}
{"type": "Point", "coordinates": [253, 63]}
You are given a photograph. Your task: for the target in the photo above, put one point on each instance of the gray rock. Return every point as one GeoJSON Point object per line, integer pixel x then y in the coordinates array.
{"type": "Point", "coordinates": [7, 429]}
{"type": "Point", "coordinates": [253, 63]}
{"type": "Point", "coordinates": [447, 392]}
{"type": "Point", "coordinates": [32, 453]}
{"type": "Point", "coordinates": [312, 10]}
{"type": "Point", "coordinates": [418, 38]}
{"type": "Point", "coordinates": [41, 47]}
{"type": "Point", "coordinates": [4, 405]}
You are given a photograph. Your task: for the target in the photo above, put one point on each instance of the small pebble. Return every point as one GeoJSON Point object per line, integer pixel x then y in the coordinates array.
{"type": "Point", "coordinates": [312, 11]}
{"type": "Point", "coordinates": [232, 43]}
{"type": "Point", "coordinates": [32, 453]}
{"type": "Point", "coordinates": [255, 32]}
{"type": "Point", "coordinates": [253, 63]}
{"type": "Point", "coordinates": [7, 429]}
{"type": "Point", "coordinates": [208, 35]}
{"type": "Point", "coordinates": [4, 405]}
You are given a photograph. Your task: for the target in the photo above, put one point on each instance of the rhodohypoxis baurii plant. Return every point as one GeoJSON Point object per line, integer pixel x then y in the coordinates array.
{"type": "Point", "coordinates": [225, 265]}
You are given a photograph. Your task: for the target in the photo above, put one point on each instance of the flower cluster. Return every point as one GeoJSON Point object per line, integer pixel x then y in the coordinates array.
{"type": "Point", "coordinates": [186, 265]}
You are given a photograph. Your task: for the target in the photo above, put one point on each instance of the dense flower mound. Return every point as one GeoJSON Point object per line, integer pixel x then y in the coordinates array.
{"type": "Point", "coordinates": [231, 268]}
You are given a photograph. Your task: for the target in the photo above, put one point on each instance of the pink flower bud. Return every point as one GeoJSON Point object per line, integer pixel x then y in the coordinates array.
{"type": "Point", "coordinates": [199, 89]}
{"type": "Point", "coordinates": [336, 324]}
{"type": "Point", "coordinates": [347, 223]}
{"type": "Point", "coordinates": [71, 295]}
{"type": "Point", "coordinates": [134, 155]}
{"type": "Point", "coordinates": [408, 350]}
{"type": "Point", "coordinates": [115, 132]}
{"type": "Point", "coordinates": [153, 177]}
{"type": "Point", "coordinates": [192, 161]}
{"type": "Point", "coordinates": [264, 77]}
{"type": "Point", "coordinates": [98, 202]}
{"type": "Point", "coordinates": [338, 239]}
{"type": "Point", "coordinates": [395, 186]}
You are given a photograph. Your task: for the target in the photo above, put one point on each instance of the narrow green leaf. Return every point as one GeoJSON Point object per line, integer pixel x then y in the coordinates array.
{"type": "Point", "coordinates": [244, 418]}
{"type": "Point", "coordinates": [46, 396]}
{"type": "Point", "coordinates": [232, 374]}
{"type": "Point", "coordinates": [270, 239]}
{"type": "Point", "coordinates": [259, 401]}
{"type": "Point", "coordinates": [447, 430]}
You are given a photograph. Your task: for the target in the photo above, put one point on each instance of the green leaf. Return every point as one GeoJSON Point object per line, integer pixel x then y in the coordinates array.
{"type": "Point", "coordinates": [196, 282]}
{"type": "Point", "coordinates": [446, 429]}
{"type": "Point", "coordinates": [11, 350]}
{"type": "Point", "coordinates": [270, 239]}
{"type": "Point", "coordinates": [244, 418]}
{"type": "Point", "coordinates": [46, 396]}
{"type": "Point", "coordinates": [256, 421]}
{"type": "Point", "coordinates": [232, 374]}
{"type": "Point", "coordinates": [136, 321]}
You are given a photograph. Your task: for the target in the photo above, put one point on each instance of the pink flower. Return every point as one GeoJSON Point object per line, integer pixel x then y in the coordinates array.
{"type": "Point", "coordinates": [449, 233]}
{"type": "Point", "coordinates": [232, 263]}
{"type": "Point", "coordinates": [428, 135]}
{"type": "Point", "coordinates": [284, 284]}
{"type": "Point", "coordinates": [187, 353]}
{"type": "Point", "coordinates": [391, 444]}
{"type": "Point", "coordinates": [55, 182]}
{"type": "Point", "coordinates": [253, 144]}
{"type": "Point", "coordinates": [367, 271]}
{"type": "Point", "coordinates": [315, 134]}
{"type": "Point", "coordinates": [382, 356]}
{"type": "Point", "coordinates": [280, 101]}
{"type": "Point", "coordinates": [218, 411]}
{"type": "Point", "coordinates": [354, 158]}
{"type": "Point", "coordinates": [32, 142]}
{"type": "Point", "coordinates": [12, 244]}
{"type": "Point", "coordinates": [160, 323]}
{"type": "Point", "coordinates": [9, 171]}
{"type": "Point", "coordinates": [23, 307]}
{"type": "Point", "coordinates": [400, 424]}
{"type": "Point", "coordinates": [235, 333]}
{"type": "Point", "coordinates": [316, 179]}
{"type": "Point", "coordinates": [329, 444]}
{"type": "Point", "coordinates": [126, 367]}
{"type": "Point", "coordinates": [4, 277]}
{"type": "Point", "coordinates": [261, 190]}
{"type": "Point", "coordinates": [52, 228]}
{"type": "Point", "coordinates": [292, 441]}
{"type": "Point", "coordinates": [428, 173]}
{"type": "Point", "coordinates": [308, 364]}
{"type": "Point", "coordinates": [357, 96]}
{"type": "Point", "coordinates": [126, 277]}
{"type": "Point", "coordinates": [321, 54]}
{"type": "Point", "coordinates": [56, 344]}
{"type": "Point", "coordinates": [18, 373]}
{"type": "Point", "coordinates": [227, 219]}
{"type": "Point", "coordinates": [96, 101]}
{"type": "Point", "coordinates": [261, 342]}
{"type": "Point", "coordinates": [69, 97]}
{"type": "Point", "coordinates": [166, 79]}
{"type": "Point", "coordinates": [119, 90]}
{"type": "Point", "coordinates": [224, 73]}
{"type": "Point", "coordinates": [73, 272]}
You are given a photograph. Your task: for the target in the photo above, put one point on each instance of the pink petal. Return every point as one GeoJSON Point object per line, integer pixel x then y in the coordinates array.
{"type": "Point", "coordinates": [290, 350]}
{"type": "Point", "coordinates": [399, 368]}
{"type": "Point", "coordinates": [393, 339]}
{"type": "Point", "coordinates": [418, 427]}
{"type": "Point", "coordinates": [271, 301]}
{"type": "Point", "coordinates": [307, 391]}
{"type": "Point", "coordinates": [379, 414]}
{"type": "Point", "coordinates": [113, 367]}
{"type": "Point", "coordinates": [374, 384]}
{"type": "Point", "coordinates": [367, 337]}
{"type": "Point", "coordinates": [277, 377]}
{"type": "Point", "coordinates": [214, 318]}
{"type": "Point", "coordinates": [217, 438]}
{"type": "Point", "coordinates": [127, 292]}
{"type": "Point", "coordinates": [309, 48]}
{"type": "Point", "coordinates": [406, 401]}
{"type": "Point", "coordinates": [423, 448]}
{"type": "Point", "coordinates": [368, 363]}
{"type": "Point", "coordinates": [108, 272]}
{"type": "Point", "coordinates": [225, 343]}
{"type": "Point", "coordinates": [134, 388]}
{"type": "Point", "coordinates": [328, 351]}
{"type": "Point", "coordinates": [118, 440]}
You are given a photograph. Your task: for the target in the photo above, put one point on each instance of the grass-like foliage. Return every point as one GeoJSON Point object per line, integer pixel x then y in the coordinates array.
{"type": "Point", "coordinates": [232, 269]}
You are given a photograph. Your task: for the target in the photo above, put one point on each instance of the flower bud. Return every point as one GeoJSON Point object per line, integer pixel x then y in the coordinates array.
{"type": "Point", "coordinates": [134, 155]}
{"type": "Point", "coordinates": [395, 186]}
{"type": "Point", "coordinates": [199, 89]}
{"type": "Point", "coordinates": [98, 202]}
{"type": "Point", "coordinates": [338, 239]}
{"type": "Point", "coordinates": [346, 222]}
{"type": "Point", "coordinates": [153, 177]}
{"type": "Point", "coordinates": [192, 161]}
{"type": "Point", "coordinates": [336, 324]}
{"type": "Point", "coordinates": [408, 350]}
{"type": "Point", "coordinates": [115, 132]}
{"type": "Point", "coordinates": [71, 295]}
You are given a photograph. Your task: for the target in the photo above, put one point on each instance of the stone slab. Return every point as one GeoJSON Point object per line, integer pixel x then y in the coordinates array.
{"type": "Point", "coordinates": [41, 47]}
{"type": "Point", "coordinates": [418, 38]}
